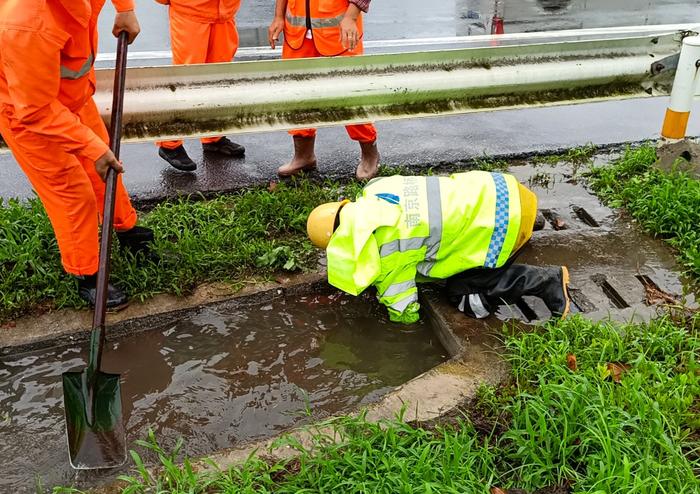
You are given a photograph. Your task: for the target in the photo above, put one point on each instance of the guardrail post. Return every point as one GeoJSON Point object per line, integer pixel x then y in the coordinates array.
{"type": "Point", "coordinates": [685, 85]}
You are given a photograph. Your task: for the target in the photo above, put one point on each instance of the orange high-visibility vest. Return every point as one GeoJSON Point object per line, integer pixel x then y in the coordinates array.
{"type": "Point", "coordinates": [323, 18]}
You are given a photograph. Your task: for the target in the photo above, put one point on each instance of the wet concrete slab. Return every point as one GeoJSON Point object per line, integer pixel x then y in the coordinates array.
{"type": "Point", "coordinates": [410, 143]}
{"type": "Point", "coordinates": [607, 254]}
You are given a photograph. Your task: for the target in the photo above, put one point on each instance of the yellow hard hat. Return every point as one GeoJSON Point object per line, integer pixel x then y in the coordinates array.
{"type": "Point", "coordinates": [321, 221]}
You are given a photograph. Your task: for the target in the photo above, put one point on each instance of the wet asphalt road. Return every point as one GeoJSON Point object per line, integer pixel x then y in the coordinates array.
{"type": "Point", "coordinates": [428, 141]}
{"type": "Point", "coordinates": [408, 142]}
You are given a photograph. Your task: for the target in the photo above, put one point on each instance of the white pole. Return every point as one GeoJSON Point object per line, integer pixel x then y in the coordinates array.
{"type": "Point", "coordinates": [685, 85]}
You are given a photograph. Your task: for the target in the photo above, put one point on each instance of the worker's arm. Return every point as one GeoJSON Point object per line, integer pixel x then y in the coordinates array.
{"type": "Point", "coordinates": [31, 63]}
{"type": "Point", "coordinates": [277, 24]}
{"type": "Point", "coordinates": [398, 291]}
{"type": "Point", "coordinates": [349, 33]}
{"type": "Point", "coordinates": [125, 20]}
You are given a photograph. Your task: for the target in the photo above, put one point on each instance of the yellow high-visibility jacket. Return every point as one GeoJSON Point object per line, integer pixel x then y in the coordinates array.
{"type": "Point", "coordinates": [432, 227]}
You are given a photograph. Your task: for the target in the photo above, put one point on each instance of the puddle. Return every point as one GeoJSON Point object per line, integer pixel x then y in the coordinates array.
{"type": "Point", "coordinates": [216, 378]}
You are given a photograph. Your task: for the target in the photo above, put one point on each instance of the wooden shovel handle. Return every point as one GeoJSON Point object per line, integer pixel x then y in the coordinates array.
{"type": "Point", "coordinates": [115, 135]}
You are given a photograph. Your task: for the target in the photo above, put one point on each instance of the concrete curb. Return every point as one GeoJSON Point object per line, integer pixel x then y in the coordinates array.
{"type": "Point", "coordinates": [65, 327]}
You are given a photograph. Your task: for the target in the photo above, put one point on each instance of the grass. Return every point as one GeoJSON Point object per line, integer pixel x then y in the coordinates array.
{"type": "Point", "coordinates": [579, 428]}
{"type": "Point", "coordinates": [252, 234]}
{"type": "Point", "coordinates": [575, 156]}
{"type": "Point", "coordinates": [665, 204]}
{"type": "Point", "coordinates": [249, 235]}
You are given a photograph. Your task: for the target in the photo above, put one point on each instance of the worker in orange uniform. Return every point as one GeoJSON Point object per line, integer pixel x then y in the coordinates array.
{"type": "Point", "coordinates": [50, 122]}
{"type": "Point", "coordinates": [323, 28]}
{"type": "Point", "coordinates": [201, 31]}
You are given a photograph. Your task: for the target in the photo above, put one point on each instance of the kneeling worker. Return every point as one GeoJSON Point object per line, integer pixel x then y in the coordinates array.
{"type": "Point", "coordinates": [466, 228]}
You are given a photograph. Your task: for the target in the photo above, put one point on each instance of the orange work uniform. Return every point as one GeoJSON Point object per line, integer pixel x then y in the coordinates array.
{"type": "Point", "coordinates": [316, 33]}
{"type": "Point", "coordinates": [202, 31]}
{"type": "Point", "coordinates": [50, 122]}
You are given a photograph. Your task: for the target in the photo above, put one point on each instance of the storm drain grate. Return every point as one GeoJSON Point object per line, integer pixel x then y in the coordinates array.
{"type": "Point", "coordinates": [529, 314]}
{"type": "Point", "coordinates": [610, 292]}
{"type": "Point", "coordinates": [585, 216]}
{"type": "Point", "coordinates": [653, 294]}
{"type": "Point", "coordinates": [581, 301]}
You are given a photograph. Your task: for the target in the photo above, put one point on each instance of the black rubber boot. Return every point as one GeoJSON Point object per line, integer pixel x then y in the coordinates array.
{"type": "Point", "coordinates": [224, 146]}
{"type": "Point", "coordinates": [178, 158]}
{"type": "Point", "coordinates": [87, 289]}
{"type": "Point", "coordinates": [477, 288]}
{"type": "Point", "coordinates": [138, 240]}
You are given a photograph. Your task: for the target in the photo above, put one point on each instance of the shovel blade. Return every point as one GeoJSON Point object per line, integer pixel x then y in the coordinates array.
{"type": "Point", "coordinates": [94, 427]}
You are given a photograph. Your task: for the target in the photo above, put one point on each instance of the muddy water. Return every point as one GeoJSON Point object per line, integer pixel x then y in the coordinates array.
{"type": "Point", "coordinates": [216, 378]}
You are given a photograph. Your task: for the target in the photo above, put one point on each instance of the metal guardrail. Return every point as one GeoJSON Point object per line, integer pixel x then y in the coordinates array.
{"type": "Point", "coordinates": [492, 72]}
{"type": "Point", "coordinates": [587, 65]}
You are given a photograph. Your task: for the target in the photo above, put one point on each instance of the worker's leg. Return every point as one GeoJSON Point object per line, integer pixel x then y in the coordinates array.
{"type": "Point", "coordinates": [304, 139]}
{"type": "Point", "coordinates": [189, 42]}
{"type": "Point", "coordinates": [124, 213]}
{"type": "Point", "coordinates": [135, 238]}
{"type": "Point", "coordinates": [366, 135]}
{"type": "Point", "coordinates": [223, 44]}
{"type": "Point", "coordinates": [477, 292]}
{"type": "Point", "coordinates": [66, 192]}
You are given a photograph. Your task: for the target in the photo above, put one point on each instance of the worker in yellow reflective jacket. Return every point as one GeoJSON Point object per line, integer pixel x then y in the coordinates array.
{"type": "Point", "coordinates": [465, 228]}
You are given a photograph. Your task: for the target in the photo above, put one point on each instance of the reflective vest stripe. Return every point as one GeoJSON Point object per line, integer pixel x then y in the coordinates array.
{"type": "Point", "coordinates": [502, 218]}
{"type": "Point", "coordinates": [401, 245]}
{"type": "Point", "coordinates": [398, 288]}
{"type": "Point", "coordinates": [67, 73]}
{"type": "Point", "coordinates": [316, 22]}
{"type": "Point", "coordinates": [475, 304]}
{"type": "Point", "coordinates": [403, 304]}
{"type": "Point", "coordinates": [435, 224]}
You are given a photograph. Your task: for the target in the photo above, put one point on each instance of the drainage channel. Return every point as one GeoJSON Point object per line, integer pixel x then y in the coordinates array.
{"type": "Point", "coordinates": [218, 377]}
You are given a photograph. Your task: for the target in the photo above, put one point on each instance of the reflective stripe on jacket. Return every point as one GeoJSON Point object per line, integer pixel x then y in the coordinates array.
{"type": "Point", "coordinates": [435, 227]}
{"type": "Point", "coordinates": [46, 69]}
{"type": "Point", "coordinates": [323, 18]}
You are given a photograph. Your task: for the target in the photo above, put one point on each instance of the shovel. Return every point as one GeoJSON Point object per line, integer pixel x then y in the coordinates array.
{"type": "Point", "coordinates": [92, 398]}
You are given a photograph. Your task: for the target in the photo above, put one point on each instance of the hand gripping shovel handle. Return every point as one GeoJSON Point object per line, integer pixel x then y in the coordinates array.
{"type": "Point", "coordinates": [115, 135]}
